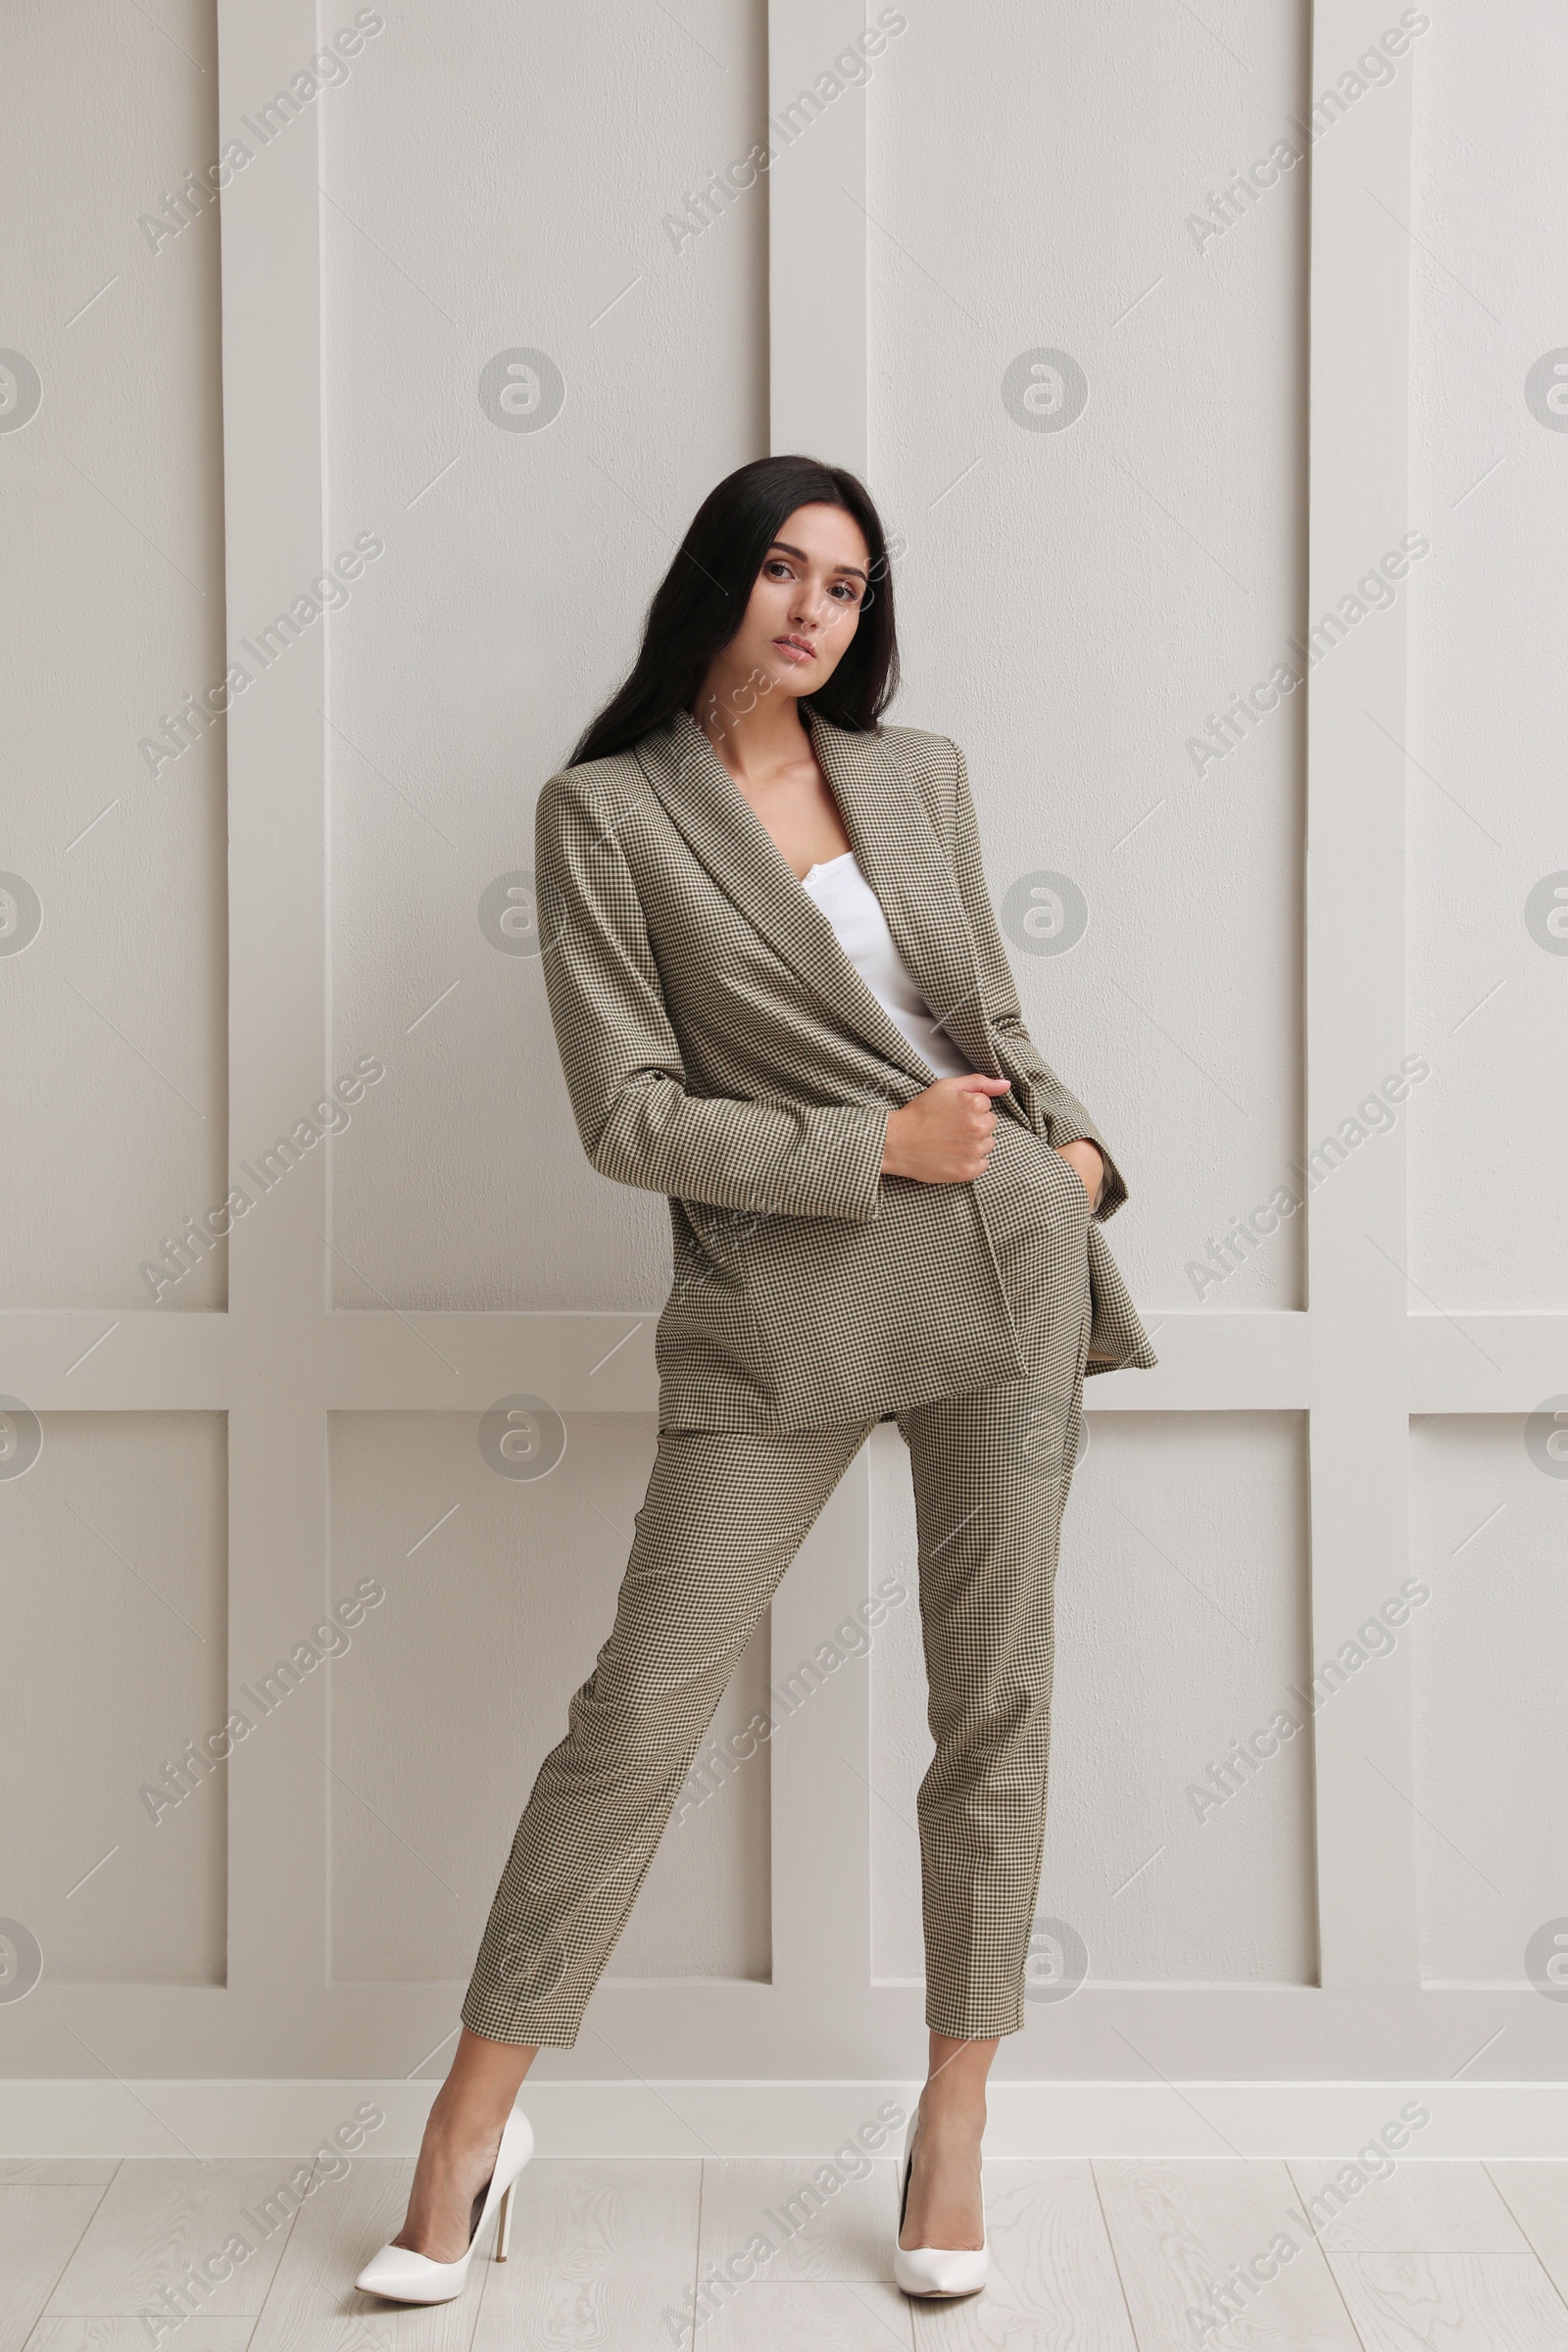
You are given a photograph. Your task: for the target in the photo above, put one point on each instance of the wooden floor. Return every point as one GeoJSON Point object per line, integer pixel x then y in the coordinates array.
{"type": "Point", "coordinates": [1104, 2257]}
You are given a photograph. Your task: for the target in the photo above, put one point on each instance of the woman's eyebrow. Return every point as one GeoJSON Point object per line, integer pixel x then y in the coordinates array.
{"type": "Point", "coordinates": [800, 558]}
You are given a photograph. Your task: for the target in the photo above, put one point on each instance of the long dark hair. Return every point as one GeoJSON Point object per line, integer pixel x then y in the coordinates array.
{"type": "Point", "coordinates": [701, 601]}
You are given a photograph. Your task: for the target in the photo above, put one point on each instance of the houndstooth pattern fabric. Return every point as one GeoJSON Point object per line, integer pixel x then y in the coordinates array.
{"type": "Point", "coordinates": [720, 1047]}
{"type": "Point", "coordinates": [725, 1513]}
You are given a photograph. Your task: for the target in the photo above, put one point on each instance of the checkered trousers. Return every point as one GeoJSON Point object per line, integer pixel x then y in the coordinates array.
{"type": "Point", "coordinates": [724, 1514]}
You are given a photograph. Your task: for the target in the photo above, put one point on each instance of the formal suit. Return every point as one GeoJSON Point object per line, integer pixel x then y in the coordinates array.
{"type": "Point", "coordinates": [720, 1047]}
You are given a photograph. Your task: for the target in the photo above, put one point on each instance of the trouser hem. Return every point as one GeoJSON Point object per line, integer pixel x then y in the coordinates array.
{"type": "Point", "coordinates": [552, 2031]}
{"type": "Point", "coordinates": [973, 2025]}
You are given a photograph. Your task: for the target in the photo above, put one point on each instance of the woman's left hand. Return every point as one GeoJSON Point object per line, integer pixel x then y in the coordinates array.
{"type": "Point", "coordinates": [1086, 1158]}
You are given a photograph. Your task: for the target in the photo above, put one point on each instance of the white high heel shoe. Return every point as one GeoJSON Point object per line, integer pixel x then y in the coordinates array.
{"type": "Point", "coordinates": [934, 2270]}
{"type": "Point", "coordinates": [404, 2276]}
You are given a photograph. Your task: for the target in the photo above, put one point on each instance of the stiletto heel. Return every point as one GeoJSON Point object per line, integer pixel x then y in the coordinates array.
{"type": "Point", "coordinates": [934, 2270]}
{"type": "Point", "coordinates": [402, 2276]}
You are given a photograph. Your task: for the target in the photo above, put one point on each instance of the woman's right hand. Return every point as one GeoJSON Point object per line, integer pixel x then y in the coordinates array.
{"type": "Point", "coordinates": [945, 1134]}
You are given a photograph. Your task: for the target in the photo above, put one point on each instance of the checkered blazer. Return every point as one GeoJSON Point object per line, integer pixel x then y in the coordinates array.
{"type": "Point", "coordinates": [719, 1048]}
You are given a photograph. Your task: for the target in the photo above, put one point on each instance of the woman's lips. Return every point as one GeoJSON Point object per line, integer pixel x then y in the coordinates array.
{"type": "Point", "coordinates": [795, 649]}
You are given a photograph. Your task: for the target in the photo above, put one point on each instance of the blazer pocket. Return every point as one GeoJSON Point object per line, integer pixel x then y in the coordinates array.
{"type": "Point", "coordinates": [708, 1326]}
{"type": "Point", "coordinates": [1063, 1173]}
{"type": "Point", "coordinates": [716, 1244]}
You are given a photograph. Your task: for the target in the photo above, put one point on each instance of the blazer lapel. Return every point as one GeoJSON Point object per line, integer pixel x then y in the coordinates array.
{"type": "Point", "coordinates": [897, 849]}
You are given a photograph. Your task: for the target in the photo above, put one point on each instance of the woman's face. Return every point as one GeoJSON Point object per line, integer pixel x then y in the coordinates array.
{"type": "Point", "coordinates": [805, 604]}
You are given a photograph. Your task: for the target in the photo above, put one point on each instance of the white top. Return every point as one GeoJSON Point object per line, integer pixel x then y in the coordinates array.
{"type": "Point", "coordinates": [855, 911]}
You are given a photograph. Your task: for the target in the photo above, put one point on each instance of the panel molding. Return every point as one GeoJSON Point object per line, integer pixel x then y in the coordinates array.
{"type": "Point", "coordinates": [372, 1360]}
{"type": "Point", "coordinates": [816, 232]}
{"type": "Point", "coordinates": [1357, 1304]}
{"type": "Point", "coordinates": [275, 527]}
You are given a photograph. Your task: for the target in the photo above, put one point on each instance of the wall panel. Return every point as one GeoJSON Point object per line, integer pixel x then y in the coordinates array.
{"type": "Point", "coordinates": [1182, 1629]}
{"type": "Point", "coordinates": [497, 1594]}
{"type": "Point", "coordinates": [111, 917]}
{"type": "Point", "coordinates": [1489, 866]}
{"type": "Point", "coordinates": [1487, 1525]}
{"type": "Point", "coordinates": [523, 539]}
{"type": "Point", "coordinates": [115, 1629]}
{"type": "Point", "coordinates": [1088, 419]}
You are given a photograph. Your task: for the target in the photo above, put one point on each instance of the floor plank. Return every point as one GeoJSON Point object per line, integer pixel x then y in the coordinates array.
{"type": "Point", "coordinates": [1054, 2278]}
{"type": "Point", "coordinates": [313, 2305]}
{"type": "Point", "coordinates": [162, 2217]}
{"type": "Point", "coordinates": [41, 2229]}
{"type": "Point", "coordinates": [1425, 2208]}
{"type": "Point", "coordinates": [1452, 2302]}
{"type": "Point", "coordinates": [57, 2172]}
{"type": "Point", "coordinates": [101, 2333]}
{"type": "Point", "coordinates": [814, 2229]}
{"type": "Point", "coordinates": [1436, 2257]}
{"type": "Point", "coordinates": [601, 2253]}
{"type": "Point", "coordinates": [1537, 2196]}
{"type": "Point", "coordinates": [1182, 2231]}
{"type": "Point", "coordinates": [811, 2314]}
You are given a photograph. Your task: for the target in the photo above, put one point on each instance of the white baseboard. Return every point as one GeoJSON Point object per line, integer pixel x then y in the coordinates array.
{"type": "Point", "coordinates": [93, 2118]}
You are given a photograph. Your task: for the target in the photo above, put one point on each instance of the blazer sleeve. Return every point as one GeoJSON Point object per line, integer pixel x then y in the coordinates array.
{"type": "Point", "coordinates": [622, 1063]}
{"type": "Point", "coordinates": [1063, 1116]}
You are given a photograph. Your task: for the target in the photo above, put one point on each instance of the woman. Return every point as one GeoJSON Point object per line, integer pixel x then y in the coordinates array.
{"type": "Point", "coordinates": [781, 1000]}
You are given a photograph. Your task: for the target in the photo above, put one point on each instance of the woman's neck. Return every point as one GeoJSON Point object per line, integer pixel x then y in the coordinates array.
{"type": "Point", "coordinates": [755, 734]}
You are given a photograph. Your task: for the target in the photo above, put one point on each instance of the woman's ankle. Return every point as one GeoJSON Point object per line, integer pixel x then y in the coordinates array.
{"type": "Point", "coordinates": [950, 2095]}
{"type": "Point", "coordinates": [954, 2118]}
{"type": "Point", "coordinates": [481, 2089]}
{"type": "Point", "coordinates": [461, 2140]}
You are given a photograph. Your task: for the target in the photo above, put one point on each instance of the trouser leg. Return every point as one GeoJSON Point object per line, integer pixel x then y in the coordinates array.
{"type": "Point", "coordinates": [724, 1514]}
{"type": "Point", "coordinates": [991, 1475]}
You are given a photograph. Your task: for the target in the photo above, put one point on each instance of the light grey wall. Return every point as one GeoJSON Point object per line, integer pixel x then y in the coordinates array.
{"type": "Point", "coordinates": [112, 607]}
{"type": "Point", "coordinates": [510, 597]}
{"type": "Point", "coordinates": [1487, 685]}
{"type": "Point", "coordinates": [1188, 1528]}
{"type": "Point", "coordinates": [1486, 1538]}
{"type": "Point", "coordinates": [1074, 603]}
{"type": "Point", "coordinates": [115, 1635]}
{"type": "Point", "coordinates": [459, 1692]}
